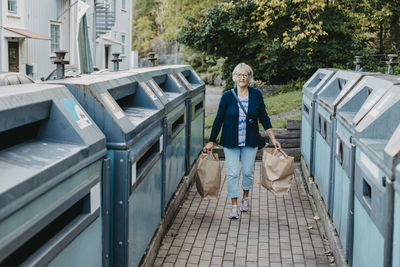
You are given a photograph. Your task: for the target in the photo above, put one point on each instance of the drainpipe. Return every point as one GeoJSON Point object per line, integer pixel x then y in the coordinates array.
{"type": "Point", "coordinates": [391, 63]}
{"type": "Point", "coordinates": [350, 222]}
{"type": "Point", "coordinates": [388, 245]}
{"type": "Point", "coordinates": [60, 62]}
{"type": "Point", "coordinates": [116, 61]}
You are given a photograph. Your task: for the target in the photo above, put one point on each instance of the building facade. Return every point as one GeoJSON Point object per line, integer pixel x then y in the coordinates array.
{"type": "Point", "coordinates": [31, 30]}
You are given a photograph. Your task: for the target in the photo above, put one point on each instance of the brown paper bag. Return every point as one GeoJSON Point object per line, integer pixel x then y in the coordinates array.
{"type": "Point", "coordinates": [208, 178]}
{"type": "Point", "coordinates": [277, 171]}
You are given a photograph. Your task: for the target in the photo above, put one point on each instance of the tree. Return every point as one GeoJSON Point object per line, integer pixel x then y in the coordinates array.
{"type": "Point", "coordinates": [282, 40]}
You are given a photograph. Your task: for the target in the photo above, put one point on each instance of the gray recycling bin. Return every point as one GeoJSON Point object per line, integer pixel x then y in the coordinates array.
{"type": "Point", "coordinates": [354, 106]}
{"type": "Point", "coordinates": [396, 220]}
{"type": "Point", "coordinates": [328, 99]}
{"type": "Point", "coordinates": [173, 95]}
{"type": "Point", "coordinates": [174, 98]}
{"type": "Point", "coordinates": [309, 96]}
{"type": "Point", "coordinates": [196, 108]}
{"type": "Point", "coordinates": [130, 115]}
{"type": "Point", "coordinates": [392, 226]}
{"type": "Point", "coordinates": [373, 136]}
{"type": "Point", "coordinates": [52, 174]}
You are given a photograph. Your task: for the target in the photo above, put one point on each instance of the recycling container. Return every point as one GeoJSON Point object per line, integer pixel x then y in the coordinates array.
{"type": "Point", "coordinates": [328, 99]}
{"type": "Point", "coordinates": [396, 217]}
{"type": "Point", "coordinates": [196, 103]}
{"type": "Point", "coordinates": [392, 227]}
{"type": "Point", "coordinates": [374, 161]}
{"type": "Point", "coordinates": [53, 173]}
{"type": "Point", "coordinates": [350, 111]}
{"type": "Point", "coordinates": [309, 96]}
{"type": "Point", "coordinates": [173, 95]}
{"type": "Point", "coordinates": [130, 115]}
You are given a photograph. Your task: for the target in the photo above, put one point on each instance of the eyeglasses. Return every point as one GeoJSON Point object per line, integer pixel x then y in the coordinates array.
{"type": "Point", "coordinates": [240, 75]}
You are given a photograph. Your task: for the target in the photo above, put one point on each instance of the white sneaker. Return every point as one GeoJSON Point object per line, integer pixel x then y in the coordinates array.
{"type": "Point", "coordinates": [234, 212]}
{"type": "Point", "coordinates": [245, 204]}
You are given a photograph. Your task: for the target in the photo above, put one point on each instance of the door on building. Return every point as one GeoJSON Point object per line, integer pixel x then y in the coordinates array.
{"type": "Point", "coordinates": [107, 55]}
{"type": "Point", "coordinates": [13, 57]}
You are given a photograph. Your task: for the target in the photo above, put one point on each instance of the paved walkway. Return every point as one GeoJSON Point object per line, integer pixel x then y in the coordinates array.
{"type": "Point", "coordinates": [279, 231]}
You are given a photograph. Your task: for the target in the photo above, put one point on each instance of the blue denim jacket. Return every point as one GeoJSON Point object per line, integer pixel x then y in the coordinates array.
{"type": "Point", "coordinates": [228, 118]}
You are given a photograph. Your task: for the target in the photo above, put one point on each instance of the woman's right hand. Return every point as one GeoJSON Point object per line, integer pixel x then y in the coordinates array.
{"type": "Point", "coordinates": [208, 148]}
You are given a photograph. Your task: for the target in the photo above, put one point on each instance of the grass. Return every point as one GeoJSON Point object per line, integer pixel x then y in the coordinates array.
{"type": "Point", "coordinates": [284, 102]}
{"type": "Point", "coordinates": [275, 105]}
{"type": "Point", "coordinates": [281, 122]}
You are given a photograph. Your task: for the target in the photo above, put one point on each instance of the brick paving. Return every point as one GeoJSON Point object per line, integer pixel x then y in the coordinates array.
{"type": "Point", "coordinates": [277, 232]}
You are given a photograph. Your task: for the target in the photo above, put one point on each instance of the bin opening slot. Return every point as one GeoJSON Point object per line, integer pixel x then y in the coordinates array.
{"type": "Point", "coordinates": [319, 124]}
{"type": "Point", "coordinates": [20, 134]}
{"type": "Point", "coordinates": [318, 78]}
{"type": "Point", "coordinates": [125, 101]}
{"type": "Point", "coordinates": [177, 123]}
{"type": "Point", "coordinates": [133, 95]}
{"type": "Point", "coordinates": [190, 77]}
{"type": "Point", "coordinates": [124, 95]}
{"type": "Point", "coordinates": [198, 106]}
{"type": "Point", "coordinates": [340, 152]}
{"type": "Point", "coordinates": [367, 192]}
{"type": "Point", "coordinates": [147, 157]}
{"type": "Point", "coordinates": [121, 92]}
{"type": "Point", "coordinates": [165, 83]}
{"type": "Point", "coordinates": [341, 83]}
{"type": "Point", "coordinates": [81, 207]}
{"type": "Point", "coordinates": [325, 130]}
{"type": "Point", "coordinates": [306, 109]}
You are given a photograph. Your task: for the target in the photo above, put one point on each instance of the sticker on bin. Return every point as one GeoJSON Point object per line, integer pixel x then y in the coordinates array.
{"type": "Point", "coordinates": [76, 112]}
{"type": "Point", "coordinates": [175, 80]}
{"type": "Point", "coordinates": [183, 78]}
{"type": "Point", "coordinates": [156, 87]}
{"type": "Point", "coordinates": [148, 90]}
{"type": "Point", "coordinates": [115, 109]}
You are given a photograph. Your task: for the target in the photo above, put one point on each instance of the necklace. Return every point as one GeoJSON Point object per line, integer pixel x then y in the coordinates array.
{"type": "Point", "coordinates": [243, 92]}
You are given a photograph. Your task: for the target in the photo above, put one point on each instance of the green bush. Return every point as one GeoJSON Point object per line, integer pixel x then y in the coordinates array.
{"type": "Point", "coordinates": [291, 87]}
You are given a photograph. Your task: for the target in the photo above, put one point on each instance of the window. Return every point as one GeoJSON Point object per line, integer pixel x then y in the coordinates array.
{"type": "Point", "coordinates": [123, 4]}
{"type": "Point", "coordinates": [55, 37]}
{"type": "Point", "coordinates": [12, 6]}
{"type": "Point", "coordinates": [123, 44]}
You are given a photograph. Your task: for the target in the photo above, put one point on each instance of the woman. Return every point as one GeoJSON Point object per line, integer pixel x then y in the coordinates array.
{"type": "Point", "coordinates": [239, 137]}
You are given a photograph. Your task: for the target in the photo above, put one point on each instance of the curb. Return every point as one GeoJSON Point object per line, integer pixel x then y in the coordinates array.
{"type": "Point", "coordinates": [330, 231]}
{"type": "Point", "coordinates": [169, 215]}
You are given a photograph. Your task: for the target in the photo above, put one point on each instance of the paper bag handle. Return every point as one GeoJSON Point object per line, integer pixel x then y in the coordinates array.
{"type": "Point", "coordinates": [280, 150]}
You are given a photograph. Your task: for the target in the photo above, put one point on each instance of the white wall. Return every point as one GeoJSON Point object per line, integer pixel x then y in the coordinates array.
{"type": "Point", "coordinates": [36, 16]}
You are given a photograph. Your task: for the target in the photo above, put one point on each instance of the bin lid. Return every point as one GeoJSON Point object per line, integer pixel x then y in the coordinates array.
{"type": "Point", "coordinates": [363, 97]}
{"type": "Point", "coordinates": [120, 103]}
{"type": "Point", "coordinates": [379, 125]}
{"type": "Point", "coordinates": [191, 80]}
{"type": "Point", "coordinates": [342, 82]}
{"type": "Point", "coordinates": [165, 84]}
{"type": "Point", "coordinates": [46, 136]}
{"type": "Point", "coordinates": [317, 82]}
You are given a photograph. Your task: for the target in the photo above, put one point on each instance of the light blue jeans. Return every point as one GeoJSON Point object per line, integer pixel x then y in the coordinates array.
{"type": "Point", "coordinates": [233, 157]}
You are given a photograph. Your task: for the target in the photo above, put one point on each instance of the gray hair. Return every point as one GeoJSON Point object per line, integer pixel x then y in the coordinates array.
{"type": "Point", "coordinates": [245, 67]}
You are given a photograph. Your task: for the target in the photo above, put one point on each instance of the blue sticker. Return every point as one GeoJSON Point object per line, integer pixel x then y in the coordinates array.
{"type": "Point", "coordinates": [76, 112]}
